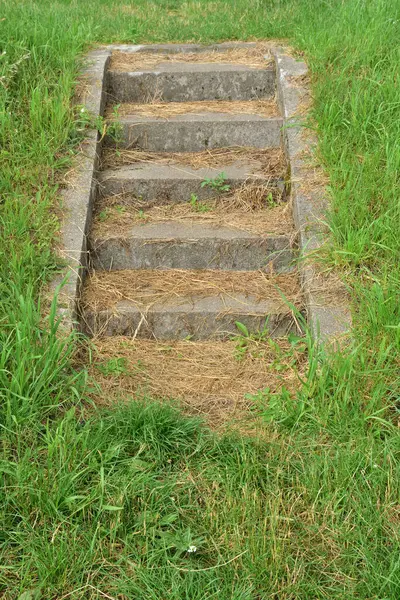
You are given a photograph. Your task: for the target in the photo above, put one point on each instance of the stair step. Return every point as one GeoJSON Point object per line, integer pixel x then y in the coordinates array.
{"type": "Point", "coordinates": [186, 82]}
{"type": "Point", "coordinates": [180, 304]}
{"type": "Point", "coordinates": [175, 245]}
{"type": "Point", "coordinates": [200, 131]}
{"type": "Point", "coordinates": [155, 183]}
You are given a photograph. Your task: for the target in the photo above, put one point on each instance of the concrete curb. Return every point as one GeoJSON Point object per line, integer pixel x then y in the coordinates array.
{"type": "Point", "coordinates": [78, 197]}
{"type": "Point", "coordinates": [327, 306]}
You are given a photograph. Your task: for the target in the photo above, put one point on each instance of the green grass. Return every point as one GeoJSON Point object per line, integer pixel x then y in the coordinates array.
{"type": "Point", "coordinates": [108, 507]}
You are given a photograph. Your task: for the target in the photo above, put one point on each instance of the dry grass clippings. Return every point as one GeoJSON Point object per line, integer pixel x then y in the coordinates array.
{"type": "Point", "coordinates": [255, 58]}
{"type": "Point", "coordinates": [166, 110]}
{"type": "Point", "coordinates": [144, 288]}
{"type": "Point", "coordinates": [269, 162]}
{"type": "Point", "coordinates": [207, 377]}
{"type": "Point", "coordinates": [244, 211]}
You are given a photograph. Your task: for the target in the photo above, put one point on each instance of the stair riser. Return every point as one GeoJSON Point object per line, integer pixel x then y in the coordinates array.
{"type": "Point", "coordinates": [196, 136]}
{"type": "Point", "coordinates": [173, 325]}
{"type": "Point", "coordinates": [236, 254]}
{"type": "Point", "coordinates": [194, 86]}
{"type": "Point", "coordinates": [158, 192]}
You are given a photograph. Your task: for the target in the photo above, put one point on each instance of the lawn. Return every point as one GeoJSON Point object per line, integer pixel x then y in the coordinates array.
{"type": "Point", "coordinates": [106, 503]}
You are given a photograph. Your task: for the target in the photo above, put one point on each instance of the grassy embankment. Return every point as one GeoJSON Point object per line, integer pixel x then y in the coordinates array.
{"type": "Point", "coordinates": [108, 508]}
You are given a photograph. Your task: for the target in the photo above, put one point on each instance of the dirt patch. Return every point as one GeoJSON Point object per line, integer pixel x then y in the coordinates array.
{"type": "Point", "coordinates": [254, 58]}
{"type": "Point", "coordinates": [104, 290]}
{"type": "Point", "coordinates": [165, 110]}
{"type": "Point", "coordinates": [211, 379]}
{"type": "Point", "coordinates": [270, 162]}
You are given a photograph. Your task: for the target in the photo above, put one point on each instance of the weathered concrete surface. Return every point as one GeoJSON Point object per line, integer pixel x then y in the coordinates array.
{"type": "Point", "coordinates": [328, 311]}
{"type": "Point", "coordinates": [78, 197]}
{"type": "Point", "coordinates": [190, 82]}
{"type": "Point", "coordinates": [152, 183]}
{"type": "Point", "coordinates": [198, 132]}
{"type": "Point", "coordinates": [175, 245]}
{"type": "Point", "coordinates": [182, 48]}
{"type": "Point", "coordinates": [199, 318]}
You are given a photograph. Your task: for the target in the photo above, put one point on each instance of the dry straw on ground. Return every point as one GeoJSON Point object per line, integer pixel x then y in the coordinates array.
{"type": "Point", "coordinates": [166, 110]}
{"type": "Point", "coordinates": [251, 207]}
{"type": "Point", "coordinates": [245, 211]}
{"type": "Point", "coordinates": [144, 288]}
{"type": "Point", "coordinates": [256, 206]}
{"type": "Point", "coordinates": [268, 162]}
{"type": "Point", "coordinates": [255, 58]}
{"type": "Point", "coordinates": [206, 377]}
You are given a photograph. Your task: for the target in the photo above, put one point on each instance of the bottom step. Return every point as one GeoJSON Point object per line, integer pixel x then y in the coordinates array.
{"type": "Point", "coordinates": [180, 304]}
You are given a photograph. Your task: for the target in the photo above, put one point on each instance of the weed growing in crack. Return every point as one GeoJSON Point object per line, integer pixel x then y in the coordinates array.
{"type": "Point", "coordinates": [86, 120]}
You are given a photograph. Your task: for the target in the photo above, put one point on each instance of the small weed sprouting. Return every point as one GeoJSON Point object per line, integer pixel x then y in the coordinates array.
{"type": "Point", "coordinates": [114, 127]}
{"type": "Point", "coordinates": [218, 184]}
{"type": "Point", "coordinates": [270, 201]}
{"type": "Point", "coordinates": [117, 367]}
{"type": "Point", "coordinates": [198, 206]}
{"type": "Point", "coordinates": [285, 359]}
{"type": "Point", "coordinates": [259, 342]}
{"type": "Point", "coordinates": [114, 366]}
{"type": "Point", "coordinates": [85, 120]}
{"type": "Point", "coordinates": [280, 408]}
{"type": "Point", "coordinates": [246, 339]}
{"type": "Point", "coordinates": [103, 215]}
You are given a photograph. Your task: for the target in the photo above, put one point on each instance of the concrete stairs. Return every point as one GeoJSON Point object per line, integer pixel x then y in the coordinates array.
{"type": "Point", "coordinates": [182, 245]}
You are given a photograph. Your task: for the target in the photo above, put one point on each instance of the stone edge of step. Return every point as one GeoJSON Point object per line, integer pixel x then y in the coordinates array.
{"type": "Point", "coordinates": [328, 320]}
{"type": "Point", "coordinates": [78, 197]}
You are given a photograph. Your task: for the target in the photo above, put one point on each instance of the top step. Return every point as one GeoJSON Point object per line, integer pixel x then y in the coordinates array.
{"type": "Point", "coordinates": [191, 82]}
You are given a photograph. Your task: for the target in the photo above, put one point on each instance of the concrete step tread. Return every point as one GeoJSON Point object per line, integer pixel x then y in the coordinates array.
{"type": "Point", "coordinates": [178, 48]}
{"type": "Point", "coordinates": [187, 231]}
{"type": "Point", "coordinates": [175, 304]}
{"type": "Point", "coordinates": [239, 170]}
{"type": "Point", "coordinates": [114, 218]}
{"type": "Point", "coordinates": [169, 110]}
{"type": "Point", "coordinates": [189, 245]}
{"type": "Point", "coordinates": [150, 183]}
{"type": "Point", "coordinates": [198, 131]}
{"type": "Point", "coordinates": [252, 291]}
{"type": "Point", "coordinates": [202, 116]}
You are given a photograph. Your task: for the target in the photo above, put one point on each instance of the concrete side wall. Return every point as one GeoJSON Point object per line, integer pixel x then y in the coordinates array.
{"type": "Point", "coordinates": [78, 197]}
{"type": "Point", "coordinates": [326, 298]}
